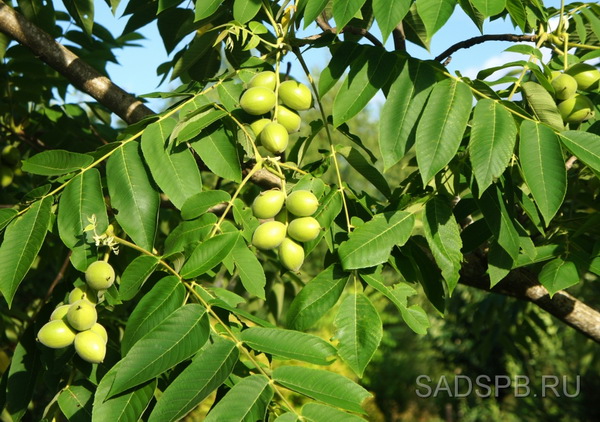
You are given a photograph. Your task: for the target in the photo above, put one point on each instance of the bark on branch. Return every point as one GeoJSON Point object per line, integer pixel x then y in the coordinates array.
{"type": "Point", "coordinates": [79, 73]}
{"type": "Point", "coordinates": [481, 39]}
{"type": "Point", "coordinates": [522, 284]}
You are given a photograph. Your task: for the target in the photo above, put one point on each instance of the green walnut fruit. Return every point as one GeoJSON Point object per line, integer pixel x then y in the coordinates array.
{"type": "Point", "coordinates": [11, 155]}
{"type": "Point", "coordinates": [295, 95]}
{"type": "Point", "coordinates": [302, 203]}
{"type": "Point", "coordinates": [100, 275]}
{"type": "Point", "coordinates": [84, 292]}
{"type": "Point", "coordinates": [565, 86]}
{"type": "Point", "coordinates": [266, 79]}
{"type": "Point", "coordinates": [269, 235]}
{"type": "Point", "coordinates": [60, 312]}
{"type": "Point", "coordinates": [291, 254]}
{"type": "Point", "coordinates": [586, 75]}
{"type": "Point", "coordinates": [82, 315]}
{"type": "Point", "coordinates": [576, 109]}
{"type": "Point", "coordinates": [56, 334]}
{"type": "Point", "coordinates": [304, 229]}
{"type": "Point", "coordinates": [6, 176]}
{"type": "Point", "coordinates": [90, 346]}
{"type": "Point", "coordinates": [258, 126]}
{"type": "Point", "coordinates": [274, 137]}
{"type": "Point", "coordinates": [101, 331]}
{"type": "Point", "coordinates": [258, 100]}
{"type": "Point", "coordinates": [268, 204]}
{"type": "Point", "coordinates": [289, 119]}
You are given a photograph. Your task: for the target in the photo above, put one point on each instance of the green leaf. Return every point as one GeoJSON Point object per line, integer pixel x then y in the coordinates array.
{"type": "Point", "coordinates": [517, 12]}
{"type": "Point", "coordinates": [441, 129]}
{"type": "Point", "coordinates": [6, 216]}
{"type": "Point", "coordinates": [176, 338]}
{"type": "Point", "coordinates": [82, 199]}
{"type": "Point", "coordinates": [371, 243]}
{"type": "Point", "coordinates": [244, 217]}
{"type": "Point", "coordinates": [414, 28]}
{"type": "Point", "coordinates": [245, 10]}
{"type": "Point", "coordinates": [163, 299]}
{"type": "Point", "coordinates": [368, 73]}
{"type": "Point", "coordinates": [205, 8]}
{"type": "Point", "coordinates": [366, 169]}
{"type": "Point", "coordinates": [174, 168]}
{"type": "Point", "coordinates": [389, 13]}
{"type": "Point", "coordinates": [201, 202]}
{"type": "Point", "coordinates": [126, 407]}
{"type": "Point", "coordinates": [132, 194]}
{"type": "Point", "coordinates": [75, 401]}
{"type": "Point", "coordinates": [209, 253]}
{"type": "Point", "coordinates": [326, 386]}
{"type": "Point", "coordinates": [322, 413]}
{"type": "Point", "coordinates": [489, 7]}
{"type": "Point", "coordinates": [342, 55]}
{"type": "Point", "coordinates": [246, 401]}
{"type": "Point", "coordinates": [312, 10]}
{"type": "Point", "coordinates": [359, 330]}
{"type": "Point", "coordinates": [135, 275]}
{"type": "Point", "coordinates": [542, 104]}
{"type": "Point", "coordinates": [289, 344]}
{"type": "Point", "coordinates": [249, 268]}
{"type": "Point", "coordinates": [584, 145]}
{"type": "Point", "coordinates": [317, 297]}
{"type": "Point", "coordinates": [230, 93]}
{"type": "Point", "coordinates": [558, 274]}
{"type": "Point", "coordinates": [83, 13]}
{"type": "Point", "coordinates": [345, 10]}
{"type": "Point", "coordinates": [493, 137]}
{"type": "Point", "coordinates": [22, 242]}
{"type": "Point", "coordinates": [189, 233]}
{"type": "Point", "coordinates": [443, 236]}
{"type": "Point", "coordinates": [56, 162]}
{"type": "Point", "coordinates": [401, 111]}
{"type": "Point", "coordinates": [209, 369]}
{"type": "Point", "coordinates": [219, 153]}
{"type": "Point", "coordinates": [189, 128]}
{"type": "Point", "coordinates": [414, 316]}
{"type": "Point", "coordinates": [434, 13]}
{"type": "Point", "coordinates": [329, 208]}
{"type": "Point", "coordinates": [543, 167]}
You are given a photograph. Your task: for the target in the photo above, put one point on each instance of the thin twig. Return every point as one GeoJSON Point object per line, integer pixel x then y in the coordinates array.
{"type": "Point", "coordinates": [59, 276]}
{"type": "Point", "coordinates": [483, 38]}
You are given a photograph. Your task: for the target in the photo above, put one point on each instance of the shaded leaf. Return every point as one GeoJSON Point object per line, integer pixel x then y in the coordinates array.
{"type": "Point", "coordinates": [135, 275]}
{"type": "Point", "coordinates": [542, 104]}
{"type": "Point", "coordinates": [201, 202]}
{"type": "Point", "coordinates": [219, 153]}
{"type": "Point", "coordinates": [189, 233]}
{"type": "Point", "coordinates": [366, 169]}
{"type": "Point", "coordinates": [322, 413]}
{"type": "Point", "coordinates": [246, 401]}
{"type": "Point", "coordinates": [56, 162]}
{"type": "Point", "coordinates": [250, 270]}
{"type": "Point", "coordinates": [558, 274]}
{"type": "Point", "coordinates": [75, 401]}
{"type": "Point", "coordinates": [584, 145]}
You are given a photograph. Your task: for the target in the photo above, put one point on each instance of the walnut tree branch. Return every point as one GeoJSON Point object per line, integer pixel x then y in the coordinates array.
{"type": "Point", "coordinates": [328, 29]}
{"type": "Point", "coordinates": [522, 284]}
{"type": "Point", "coordinates": [481, 39]}
{"type": "Point", "coordinates": [79, 73]}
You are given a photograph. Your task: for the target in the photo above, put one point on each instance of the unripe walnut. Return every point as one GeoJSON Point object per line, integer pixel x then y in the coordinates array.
{"type": "Point", "coordinates": [565, 86]}
{"type": "Point", "coordinates": [576, 109]}
{"type": "Point", "coordinates": [268, 204]}
{"type": "Point", "coordinates": [291, 254]}
{"type": "Point", "coordinates": [295, 95]}
{"type": "Point", "coordinates": [269, 235]}
{"type": "Point", "coordinates": [586, 75]}
{"type": "Point", "coordinates": [274, 137]}
{"type": "Point", "coordinates": [289, 119]}
{"type": "Point", "coordinates": [56, 334]}
{"type": "Point", "coordinates": [6, 176]}
{"type": "Point", "coordinates": [258, 100]}
{"type": "Point", "coordinates": [266, 79]}
{"type": "Point", "coordinates": [304, 229]}
{"type": "Point", "coordinates": [100, 275]}
{"type": "Point", "coordinates": [100, 330]}
{"type": "Point", "coordinates": [90, 346]}
{"type": "Point", "coordinates": [11, 155]}
{"type": "Point", "coordinates": [258, 126]}
{"type": "Point", "coordinates": [82, 315]}
{"type": "Point", "coordinates": [302, 203]}
{"type": "Point", "coordinates": [60, 312]}
{"type": "Point", "coordinates": [84, 292]}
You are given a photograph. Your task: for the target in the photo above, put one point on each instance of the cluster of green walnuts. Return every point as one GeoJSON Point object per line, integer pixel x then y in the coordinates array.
{"type": "Point", "coordinates": [77, 322]}
{"type": "Point", "coordinates": [575, 107]}
{"type": "Point", "coordinates": [277, 232]}
{"type": "Point", "coordinates": [260, 99]}
{"type": "Point", "coordinates": [10, 164]}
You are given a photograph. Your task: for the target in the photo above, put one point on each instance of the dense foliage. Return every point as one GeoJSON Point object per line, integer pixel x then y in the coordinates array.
{"type": "Point", "coordinates": [274, 311]}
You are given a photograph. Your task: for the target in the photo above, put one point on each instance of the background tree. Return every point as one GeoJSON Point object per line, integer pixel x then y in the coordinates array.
{"type": "Point", "coordinates": [489, 182]}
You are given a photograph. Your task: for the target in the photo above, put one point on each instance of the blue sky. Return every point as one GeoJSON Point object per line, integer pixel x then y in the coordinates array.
{"type": "Point", "coordinates": [136, 71]}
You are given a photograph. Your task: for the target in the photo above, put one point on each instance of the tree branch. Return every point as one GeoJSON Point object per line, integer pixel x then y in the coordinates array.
{"type": "Point", "coordinates": [328, 29]}
{"type": "Point", "coordinates": [522, 284]}
{"type": "Point", "coordinates": [79, 73]}
{"type": "Point", "coordinates": [399, 38]}
{"type": "Point", "coordinates": [481, 39]}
